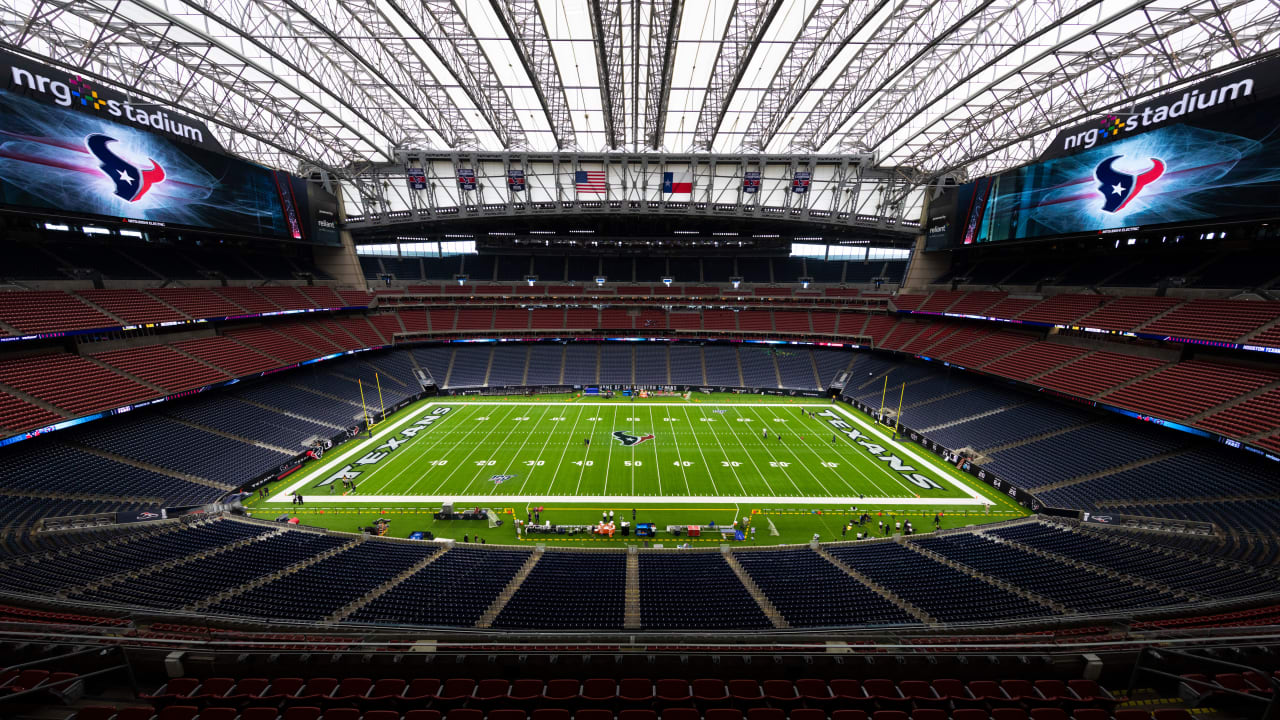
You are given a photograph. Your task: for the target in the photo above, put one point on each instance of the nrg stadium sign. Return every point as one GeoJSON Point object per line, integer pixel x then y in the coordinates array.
{"type": "Point", "coordinates": [56, 87]}
{"type": "Point", "coordinates": [1255, 82]}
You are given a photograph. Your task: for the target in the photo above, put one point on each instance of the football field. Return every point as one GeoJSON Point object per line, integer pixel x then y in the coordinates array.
{"type": "Point", "coordinates": [515, 453]}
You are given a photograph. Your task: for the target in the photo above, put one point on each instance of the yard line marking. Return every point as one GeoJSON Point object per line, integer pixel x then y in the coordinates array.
{"type": "Point", "coordinates": [825, 491]}
{"type": "Point", "coordinates": [752, 457]}
{"type": "Point", "coordinates": [515, 457]}
{"type": "Point", "coordinates": [550, 434]}
{"type": "Point", "coordinates": [697, 442]}
{"type": "Point", "coordinates": [471, 452]}
{"type": "Point", "coordinates": [732, 468]}
{"type": "Point", "coordinates": [657, 464]}
{"type": "Point", "coordinates": [680, 462]}
{"type": "Point", "coordinates": [413, 445]}
{"type": "Point", "coordinates": [565, 451]}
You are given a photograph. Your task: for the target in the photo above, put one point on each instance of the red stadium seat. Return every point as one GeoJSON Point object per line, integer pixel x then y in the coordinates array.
{"type": "Point", "coordinates": [928, 714]}
{"type": "Point", "coordinates": [807, 714]}
{"type": "Point", "coordinates": [215, 691]}
{"type": "Point", "coordinates": [171, 692]}
{"type": "Point", "coordinates": [969, 714]}
{"type": "Point", "coordinates": [285, 688]}
{"type": "Point", "coordinates": [889, 715]}
{"type": "Point", "coordinates": [1090, 693]}
{"type": "Point", "coordinates": [317, 689]}
{"type": "Point", "coordinates": [381, 715]}
{"type": "Point", "coordinates": [549, 714]}
{"type": "Point", "coordinates": [1055, 693]}
{"type": "Point", "coordinates": [593, 714]}
{"type": "Point", "coordinates": [885, 694]}
{"type": "Point", "coordinates": [490, 692]}
{"type": "Point", "coordinates": [259, 713]}
{"type": "Point", "coordinates": [1008, 713]}
{"type": "Point", "coordinates": [1048, 713]}
{"type": "Point", "coordinates": [814, 693]}
{"type": "Point", "coordinates": [710, 692]}
{"type": "Point", "coordinates": [635, 714]}
{"type": "Point", "coordinates": [1124, 714]}
{"type": "Point", "coordinates": [671, 692]}
{"type": "Point", "coordinates": [342, 713]}
{"type": "Point", "coordinates": [148, 712]}
{"type": "Point", "coordinates": [848, 715]}
{"type": "Point", "coordinates": [681, 713]}
{"type": "Point", "coordinates": [952, 691]}
{"type": "Point", "coordinates": [1093, 714]}
{"type": "Point", "coordinates": [781, 694]}
{"type": "Point", "coordinates": [635, 691]}
{"type": "Point", "coordinates": [989, 694]}
{"type": "Point", "coordinates": [525, 690]}
{"type": "Point", "coordinates": [219, 713]}
{"type": "Point", "coordinates": [422, 715]}
{"type": "Point", "coordinates": [455, 692]}
{"type": "Point", "coordinates": [745, 693]}
{"type": "Point", "coordinates": [766, 713]}
{"type": "Point", "coordinates": [302, 712]}
{"type": "Point", "coordinates": [722, 714]}
{"type": "Point", "coordinates": [599, 692]}
{"type": "Point", "coordinates": [248, 690]}
{"type": "Point", "coordinates": [502, 714]}
{"type": "Point", "coordinates": [562, 691]}
{"type": "Point", "coordinates": [96, 712]}
{"type": "Point", "coordinates": [350, 692]}
{"type": "Point", "coordinates": [1171, 714]}
{"type": "Point", "coordinates": [385, 693]}
{"type": "Point", "coordinates": [1021, 692]}
{"type": "Point", "coordinates": [419, 691]}
{"type": "Point", "coordinates": [921, 694]}
{"type": "Point", "coordinates": [178, 712]}
{"type": "Point", "coordinates": [464, 714]}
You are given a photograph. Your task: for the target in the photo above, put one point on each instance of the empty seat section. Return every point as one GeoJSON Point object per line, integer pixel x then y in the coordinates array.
{"type": "Point", "coordinates": [598, 583]}
{"type": "Point", "coordinates": [453, 590]}
{"type": "Point", "coordinates": [163, 366]}
{"type": "Point", "coordinates": [132, 306]}
{"type": "Point", "coordinates": [792, 578]}
{"type": "Point", "coordinates": [71, 382]}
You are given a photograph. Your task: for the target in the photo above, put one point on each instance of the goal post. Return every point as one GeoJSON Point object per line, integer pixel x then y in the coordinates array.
{"type": "Point", "coordinates": [370, 423]}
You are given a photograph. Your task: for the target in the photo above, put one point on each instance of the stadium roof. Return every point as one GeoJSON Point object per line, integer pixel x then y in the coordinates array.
{"type": "Point", "coordinates": [937, 85]}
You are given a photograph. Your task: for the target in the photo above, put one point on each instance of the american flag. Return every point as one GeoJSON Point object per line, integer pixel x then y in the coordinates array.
{"type": "Point", "coordinates": [589, 181]}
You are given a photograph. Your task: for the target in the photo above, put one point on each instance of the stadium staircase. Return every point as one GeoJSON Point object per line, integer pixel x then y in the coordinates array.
{"type": "Point", "coordinates": [258, 350]}
{"type": "Point", "coordinates": [109, 368]}
{"type": "Point", "coordinates": [968, 418]}
{"type": "Point", "coordinates": [488, 365]}
{"type": "Point", "coordinates": [1108, 471]}
{"type": "Point", "coordinates": [1095, 569]}
{"type": "Point", "coordinates": [205, 363]}
{"type": "Point", "coordinates": [350, 609]}
{"type": "Point", "coordinates": [290, 413]}
{"type": "Point", "coordinates": [231, 436]}
{"type": "Point", "coordinates": [1134, 379]}
{"type": "Point", "coordinates": [1155, 547]}
{"type": "Point", "coordinates": [500, 602]}
{"type": "Point", "coordinates": [631, 614]}
{"type": "Point", "coordinates": [702, 358]}
{"type": "Point", "coordinates": [153, 468]}
{"type": "Point", "coordinates": [878, 589]}
{"type": "Point", "coordinates": [1037, 438]}
{"type": "Point", "coordinates": [167, 564]}
{"type": "Point", "coordinates": [993, 581]}
{"type": "Point", "coordinates": [261, 580]}
{"type": "Point", "coordinates": [1059, 366]}
{"type": "Point", "coordinates": [1260, 331]}
{"type": "Point", "coordinates": [448, 373]}
{"type": "Point", "coordinates": [766, 607]}
{"type": "Point", "coordinates": [1237, 400]}
{"type": "Point", "coordinates": [33, 400]}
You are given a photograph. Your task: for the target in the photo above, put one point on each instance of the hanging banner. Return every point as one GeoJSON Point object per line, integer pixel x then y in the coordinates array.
{"type": "Point", "coordinates": [417, 179]}
{"type": "Point", "coordinates": [751, 183]}
{"type": "Point", "coordinates": [466, 178]}
{"type": "Point", "coordinates": [800, 183]}
{"type": "Point", "coordinates": [515, 180]}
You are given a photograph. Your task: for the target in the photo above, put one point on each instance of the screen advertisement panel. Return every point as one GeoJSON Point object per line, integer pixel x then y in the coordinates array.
{"type": "Point", "coordinates": [59, 159]}
{"type": "Point", "coordinates": [1224, 166]}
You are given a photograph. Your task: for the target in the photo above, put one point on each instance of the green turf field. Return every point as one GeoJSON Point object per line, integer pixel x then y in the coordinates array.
{"type": "Point", "coordinates": [674, 460]}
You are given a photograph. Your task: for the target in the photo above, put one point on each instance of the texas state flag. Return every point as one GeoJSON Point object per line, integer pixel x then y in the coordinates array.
{"type": "Point", "coordinates": [673, 184]}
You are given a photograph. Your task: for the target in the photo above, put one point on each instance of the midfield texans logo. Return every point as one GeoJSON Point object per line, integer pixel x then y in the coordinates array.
{"type": "Point", "coordinates": [1119, 189]}
{"type": "Point", "coordinates": [627, 439]}
{"type": "Point", "coordinates": [131, 183]}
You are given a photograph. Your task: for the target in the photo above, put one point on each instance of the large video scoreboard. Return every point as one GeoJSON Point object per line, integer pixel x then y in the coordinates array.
{"type": "Point", "coordinates": [71, 146]}
{"type": "Point", "coordinates": [1210, 152]}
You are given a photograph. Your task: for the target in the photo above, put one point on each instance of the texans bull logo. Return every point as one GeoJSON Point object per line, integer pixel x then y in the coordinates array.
{"type": "Point", "coordinates": [627, 439]}
{"type": "Point", "coordinates": [131, 182]}
{"type": "Point", "coordinates": [1118, 188]}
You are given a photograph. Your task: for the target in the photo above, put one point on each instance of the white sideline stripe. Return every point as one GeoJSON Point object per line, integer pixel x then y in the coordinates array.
{"type": "Point", "coordinates": [285, 496]}
{"type": "Point", "coordinates": [618, 500]}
